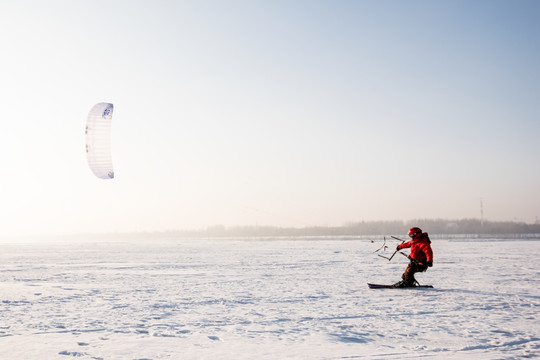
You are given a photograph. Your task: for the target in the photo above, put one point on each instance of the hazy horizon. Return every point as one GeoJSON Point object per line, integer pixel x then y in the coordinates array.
{"type": "Point", "coordinates": [279, 113]}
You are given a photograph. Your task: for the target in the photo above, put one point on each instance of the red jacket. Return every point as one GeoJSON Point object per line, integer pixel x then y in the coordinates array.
{"type": "Point", "coordinates": [420, 248]}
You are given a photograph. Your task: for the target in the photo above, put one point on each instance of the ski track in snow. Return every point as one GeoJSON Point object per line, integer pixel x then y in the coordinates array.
{"type": "Point", "coordinates": [271, 299]}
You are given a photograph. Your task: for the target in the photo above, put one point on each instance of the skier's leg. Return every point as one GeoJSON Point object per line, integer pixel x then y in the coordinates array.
{"type": "Point", "coordinates": [408, 275]}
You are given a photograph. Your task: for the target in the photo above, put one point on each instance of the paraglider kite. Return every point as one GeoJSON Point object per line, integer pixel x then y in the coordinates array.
{"type": "Point", "coordinates": [98, 140]}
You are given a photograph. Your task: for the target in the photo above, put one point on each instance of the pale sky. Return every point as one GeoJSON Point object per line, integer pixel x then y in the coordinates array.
{"type": "Point", "coordinates": [285, 113]}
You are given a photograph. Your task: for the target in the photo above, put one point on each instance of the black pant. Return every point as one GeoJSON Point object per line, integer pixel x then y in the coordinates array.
{"type": "Point", "coordinates": [414, 267]}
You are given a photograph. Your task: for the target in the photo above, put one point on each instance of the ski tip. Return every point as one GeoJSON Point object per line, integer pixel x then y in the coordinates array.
{"type": "Point", "coordinates": [380, 286]}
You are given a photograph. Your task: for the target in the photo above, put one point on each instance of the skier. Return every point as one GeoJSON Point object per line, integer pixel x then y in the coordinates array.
{"type": "Point", "coordinates": [421, 256]}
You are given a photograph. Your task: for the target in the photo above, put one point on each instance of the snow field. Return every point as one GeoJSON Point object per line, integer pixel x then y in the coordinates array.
{"type": "Point", "coordinates": [297, 299]}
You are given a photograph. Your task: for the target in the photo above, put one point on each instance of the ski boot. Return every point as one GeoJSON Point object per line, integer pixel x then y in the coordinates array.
{"type": "Point", "coordinates": [403, 284]}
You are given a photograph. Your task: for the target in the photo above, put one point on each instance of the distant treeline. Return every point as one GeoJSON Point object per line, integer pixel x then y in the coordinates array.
{"type": "Point", "coordinates": [435, 227]}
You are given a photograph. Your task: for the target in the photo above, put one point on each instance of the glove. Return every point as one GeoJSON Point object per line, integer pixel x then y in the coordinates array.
{"type": "Point", "coordinates": [430, 263]}
{"type": "Point", "coordinates": [397, 248]}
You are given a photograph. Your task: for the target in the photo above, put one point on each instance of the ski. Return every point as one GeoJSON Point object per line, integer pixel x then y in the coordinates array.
{"type": "Point", "coordinates": [379, 286]}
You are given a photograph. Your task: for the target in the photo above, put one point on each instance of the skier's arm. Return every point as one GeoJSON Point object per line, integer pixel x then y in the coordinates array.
{"type": "Point", "coordinates": [429, 256]}
{"type": "Point", "coordinates": [404, 245]}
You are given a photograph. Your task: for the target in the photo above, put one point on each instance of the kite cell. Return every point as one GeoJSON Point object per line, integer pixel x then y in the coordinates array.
{"type": "Point", "coordinates": [98, 140]}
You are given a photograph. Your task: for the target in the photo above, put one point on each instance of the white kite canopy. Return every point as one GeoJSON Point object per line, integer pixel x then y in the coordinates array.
{"type": "Point", "coordinates": [98, 140]}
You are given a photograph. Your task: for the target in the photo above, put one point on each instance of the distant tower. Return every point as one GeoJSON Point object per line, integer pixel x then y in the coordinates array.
{"type": "Point", "coordinates": [481, 213]}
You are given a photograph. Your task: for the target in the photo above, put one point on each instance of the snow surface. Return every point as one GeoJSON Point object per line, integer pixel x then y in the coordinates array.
{"type": "Point", "coordinates": [266, 299]}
